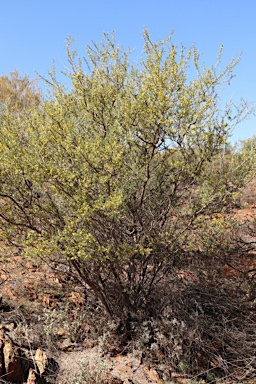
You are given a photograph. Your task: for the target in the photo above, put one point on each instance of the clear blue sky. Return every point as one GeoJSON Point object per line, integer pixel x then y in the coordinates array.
{"type": "Point", "coordinates": [33, 33]}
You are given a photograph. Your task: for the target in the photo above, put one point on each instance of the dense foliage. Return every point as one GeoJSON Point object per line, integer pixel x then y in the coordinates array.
{"type": "Point", "coordinates": [120, 180]}
{"type": "Point", "coordinates": [17, 93]}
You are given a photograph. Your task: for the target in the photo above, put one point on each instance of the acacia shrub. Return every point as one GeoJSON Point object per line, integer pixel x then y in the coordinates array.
{"type": "Point", "coordinates": [110, 182]}
{"type": "Point", "coordinates": [17, 92]}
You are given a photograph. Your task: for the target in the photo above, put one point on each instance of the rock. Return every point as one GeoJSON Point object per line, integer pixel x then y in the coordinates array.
{"type": "Point", "coordinates": [67, 345]}
{"type": "Point", "coordinates": [153, 375]}
{"type": "Point", "coordinates": [16, 364]}
{"type": "Point", "coordinates": [45, 365]}
{"type": "Point", "coordinates": [1, 357]}
{"type": "Point", "coordinates": [62, 332]}
{"type": "Point", "coordinates": [32, 377]}
{"type": "Point", "coordinates": [10, 327]}
{"type": "Point", "coordinates": [89, 343]}
{"type": "Point", "coordinates": [12, 362]}
{"type": "Point", "coordinates": [41, 361]}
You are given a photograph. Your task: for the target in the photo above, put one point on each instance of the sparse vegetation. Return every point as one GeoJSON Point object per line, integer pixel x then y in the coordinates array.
{"type": "Point", "coordinates": [90, 373]}
{"type": "Point", "coordinates": [125, 188]}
